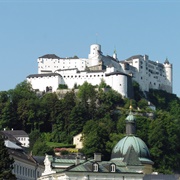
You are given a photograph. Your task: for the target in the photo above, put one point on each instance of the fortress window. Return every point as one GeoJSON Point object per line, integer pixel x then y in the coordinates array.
{"type": "Point", "coordinates": [72, 76]}
{"type": "Point", "coordinates": [79, 76]}
{"type": "Point", "coordinates": [102, 75]}
{"type": "Point", "coordinates": [90, 75]}
{"type": "Point", "coordinates": [94, 75]}
{"type": "Point", "coordinates": [64, 76]}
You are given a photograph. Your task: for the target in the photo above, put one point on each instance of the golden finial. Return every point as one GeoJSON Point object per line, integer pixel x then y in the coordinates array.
{"type": "Point", "coordinates": [130, 107]}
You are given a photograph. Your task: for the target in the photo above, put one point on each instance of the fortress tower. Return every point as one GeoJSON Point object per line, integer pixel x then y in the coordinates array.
{"type": "Point", "coordinates": [94, 55]}
{"type": "Point", "coordinates": [168, 72]}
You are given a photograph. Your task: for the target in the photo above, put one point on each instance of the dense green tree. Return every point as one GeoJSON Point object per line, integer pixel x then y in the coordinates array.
{"type": "Point", "coordinates": [142, 127]}
{"type": "Point", "coordinates": [96, 135]}
{"type": "Point", "coordinates": [6, 163]}
{"type": "Point", "coordinates": [62, 125]}
{"type": "Point", "coordinates": [40, 148]}
{"type": "Point", "coordinates": [100, 113]}
{"type": "Point", "coordinates": [142, 103]}
{"type": "Point", "coordinates": [8, 116]}
{"type": "Point", "coordinates": [164, 142]}
{"type": "Point", "coordinates": [49, 111]}
{"type": "Point", "coordinates": [137, 94]}
{"type": "Point", "coordinates": [33, 136]}
{"type": "Point", "coordinates": [87, 96]}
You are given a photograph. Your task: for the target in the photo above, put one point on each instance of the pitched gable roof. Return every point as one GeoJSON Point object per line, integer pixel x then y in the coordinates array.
{"type": "Point", "coordinates": [50, 56]}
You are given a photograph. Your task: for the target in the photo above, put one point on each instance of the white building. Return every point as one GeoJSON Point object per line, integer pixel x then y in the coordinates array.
{"type": "Point", "coordinates": [53, 70]}
{"type": "Point", "coordinates": [25, 166]}
{"type": "Point", "coordinates": [19, 135]}
{"type": "Point", "coordinates": [77, 141]}
{"type": "Point", "coordinates": [92, 169]}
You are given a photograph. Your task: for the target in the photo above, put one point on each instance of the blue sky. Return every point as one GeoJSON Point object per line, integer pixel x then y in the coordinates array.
{"type": "Point", "coordinates": [32, 28]}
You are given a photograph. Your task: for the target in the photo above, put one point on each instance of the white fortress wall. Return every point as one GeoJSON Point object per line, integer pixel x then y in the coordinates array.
{"type": "Point", "coordinates": [42, 82]}
{"type": "Point", "coordinates": [118, 82]}
{"type": "Point", "coordinates": [51, 65]}
{"type": "Point", "coordinates": [93, 78]}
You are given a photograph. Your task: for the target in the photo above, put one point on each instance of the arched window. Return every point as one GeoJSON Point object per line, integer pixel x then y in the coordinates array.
{"type": "Point", "coordinates": [95, 167]}
{"type": "Point", "coordinates": [113, 168]}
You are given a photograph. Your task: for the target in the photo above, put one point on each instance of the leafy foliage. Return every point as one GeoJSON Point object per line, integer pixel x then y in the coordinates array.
{"type": "Point", "coordinates": [6, 162]}
{"type": "Point", "coordinates": [98, 112]}
{"type": "Point", "coordinates": [62, 86]}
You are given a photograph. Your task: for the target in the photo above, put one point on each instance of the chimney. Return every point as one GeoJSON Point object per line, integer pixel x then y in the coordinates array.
{"type": "Point", "coordinates": [97, 157]}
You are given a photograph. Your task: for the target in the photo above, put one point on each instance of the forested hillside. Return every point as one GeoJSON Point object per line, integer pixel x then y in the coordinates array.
{"type": "Point", "coordinates": [98, 113]}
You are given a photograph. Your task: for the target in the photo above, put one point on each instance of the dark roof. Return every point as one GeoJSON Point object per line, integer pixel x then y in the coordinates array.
{"type": "Point", "coordinates": [10, 137]}
{"type": "Point", "coordinates": [43, 75]}
{"type": "Point", "coordinates": [159, 177]}
{"type": "Point", "coordinates": [116, 73]}
{"type": "Point", "coordinates": [103, 167]}
{"type": "Point", "coordinates": [16, 133]}
{"type": "Point", "coordinates": [21, 154]}
{"type": "Point", "coordinates": [134, 57]}
{"type": "Point", "coordinates": [50, 56]}
{"type": "Point", "coordinates": [110, 62]}
{"type": "Point", "coordinates": [39, 159]}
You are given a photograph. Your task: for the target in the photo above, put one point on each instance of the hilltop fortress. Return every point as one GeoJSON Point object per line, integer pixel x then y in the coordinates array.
{"type": "Point", "coordinates": [54, 70]}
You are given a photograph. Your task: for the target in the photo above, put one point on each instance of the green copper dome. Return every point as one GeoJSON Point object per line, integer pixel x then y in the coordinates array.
{"type": "Point", "coordinates": [122, 146]}
{"type": "Point", "coordinates": [131, 142]}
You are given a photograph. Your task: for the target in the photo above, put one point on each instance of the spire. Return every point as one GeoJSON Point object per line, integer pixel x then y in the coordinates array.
{"type": "Point", "coordinates": [166, 61]}
{"type": "Point", "coordinates": [115, 54]}
{"type": "Point", "coordinates": [130, 123]}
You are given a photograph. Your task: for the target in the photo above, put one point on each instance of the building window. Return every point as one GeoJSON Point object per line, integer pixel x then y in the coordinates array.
{"type": "Point", "coordinates": [113, 168]}
{"type": "Point", "coordinates": [14, 169]}
{"type": "Point", "coordinates": [95, 167]}
{"type": "Point", "coordinates": [17, 169]}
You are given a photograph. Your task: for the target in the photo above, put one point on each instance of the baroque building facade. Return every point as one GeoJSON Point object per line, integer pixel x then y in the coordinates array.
{"type": "Point", "coordinates": [54, 70]}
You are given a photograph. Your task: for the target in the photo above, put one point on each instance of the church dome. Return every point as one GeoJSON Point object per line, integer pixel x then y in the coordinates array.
{"type": "Point", "coordinates": [122, 146]}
